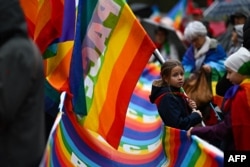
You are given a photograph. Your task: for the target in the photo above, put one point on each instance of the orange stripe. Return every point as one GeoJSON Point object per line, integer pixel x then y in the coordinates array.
{"type": "Point", "coordinates": [124, 62]}
{"type": "Point", "coordinates": [44, 14]}
{"type": "Point", "coordinates": [127, 85]}
{"type": "Point", "coordinates": [30, 11]}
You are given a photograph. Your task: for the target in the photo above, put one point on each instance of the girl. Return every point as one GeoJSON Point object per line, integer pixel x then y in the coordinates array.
{"type": "Point", "coordinates": [234, 129]}
{"type": "Point", "coordinates": [173, 106]}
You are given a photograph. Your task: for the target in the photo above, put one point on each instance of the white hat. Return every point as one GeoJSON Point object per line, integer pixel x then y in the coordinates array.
{"type": "Point", "coordinates": [239, 61]}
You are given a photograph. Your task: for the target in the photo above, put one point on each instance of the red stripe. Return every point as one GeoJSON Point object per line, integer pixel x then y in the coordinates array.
{"type": "Point", "coordinates": [123, 97]}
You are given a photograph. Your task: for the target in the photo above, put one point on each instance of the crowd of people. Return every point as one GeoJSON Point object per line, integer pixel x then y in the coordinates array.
{"type": "Point", "coordinates": [229, 70]}
{"type": "Point", "coordinates": [22, 124]}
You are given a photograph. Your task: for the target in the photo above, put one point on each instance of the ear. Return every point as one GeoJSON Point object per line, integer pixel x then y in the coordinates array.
{"type": "Point", "coordinates": [165, 79]}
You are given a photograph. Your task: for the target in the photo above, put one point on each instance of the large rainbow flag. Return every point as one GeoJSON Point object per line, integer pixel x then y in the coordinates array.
{"type": "Point", "coordinates": [145, 141]}
{"type": "Point", "coordinates": [113, 53]}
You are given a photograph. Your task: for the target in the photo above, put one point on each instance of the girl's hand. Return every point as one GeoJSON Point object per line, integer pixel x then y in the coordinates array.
{"type": "Point", "coordinates": [192, 104]}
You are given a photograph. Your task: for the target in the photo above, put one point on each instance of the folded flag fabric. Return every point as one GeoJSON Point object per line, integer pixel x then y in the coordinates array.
{"type": "Point", "coordinates": [44, 19]}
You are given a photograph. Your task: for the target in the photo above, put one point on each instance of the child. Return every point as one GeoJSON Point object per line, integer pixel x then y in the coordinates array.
{"type": "Point", "coordinates": [234, 129]}
{"type": "Point", "coordinates": [173, 106]}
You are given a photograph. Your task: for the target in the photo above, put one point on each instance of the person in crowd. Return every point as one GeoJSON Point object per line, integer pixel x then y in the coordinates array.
{"type": "Point", "coordinates": [166, 48]}
{"type": "Point", "coordinates": [246, 34]}
{"type": "Point", "coordinates": [233, 130]}
{"type": "Point", "coordinates": [237, 18]}
{"type": "Point", "coordinates": [174, 108]}
{"type": "Point", "coordinates": [22, 124]}
{"type": "Point", "coordinates": [236, 39]}
{"type": "Point", "coordinates": [203, 53]}
{"type": "Point", "coordinates": [197, 15]}
{"type": "Point", "coordinates": [236, 42]}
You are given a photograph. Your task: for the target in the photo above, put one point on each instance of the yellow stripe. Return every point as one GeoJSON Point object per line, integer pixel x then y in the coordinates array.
{"type": "Point", "coordinates": [57, 71]}
{"type": "Point", "coordinates": [53, 62]}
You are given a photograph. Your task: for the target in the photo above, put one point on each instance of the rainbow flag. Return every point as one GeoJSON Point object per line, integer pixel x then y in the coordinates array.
{"type": "Point", "coordinates": [182, 151]}
{"type": "Point", "coordinates": [177, 13]}
{"type": "Point", "coordinates": [44, 19]}
{"type": "Point", "coordinates": [104, 71]}
{"type": "Point", "coordinates": [145, 141]}
{"type": "Point", "coordinates": [57, 58]}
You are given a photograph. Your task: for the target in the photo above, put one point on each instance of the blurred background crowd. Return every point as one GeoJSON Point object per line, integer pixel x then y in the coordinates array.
{"type": "Point", "coordinates": [221, 18]}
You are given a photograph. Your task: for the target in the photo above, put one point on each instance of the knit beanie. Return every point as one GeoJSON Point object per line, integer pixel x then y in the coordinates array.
{"type": "Point", "coordinates": [239, 61]}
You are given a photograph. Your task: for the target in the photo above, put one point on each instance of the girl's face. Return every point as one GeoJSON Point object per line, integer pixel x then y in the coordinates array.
{"type": "Point", "coordinates": [176, 78]}
{"type": "Point", "coordinates": [234, 77]}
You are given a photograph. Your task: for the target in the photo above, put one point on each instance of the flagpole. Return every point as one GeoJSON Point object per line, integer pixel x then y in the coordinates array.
{"type": "Point", "coordinates": [159, 57]}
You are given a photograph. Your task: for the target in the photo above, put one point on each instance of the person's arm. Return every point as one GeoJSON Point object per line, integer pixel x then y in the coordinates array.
{"type": "Point", "coordinates": [219, 131]}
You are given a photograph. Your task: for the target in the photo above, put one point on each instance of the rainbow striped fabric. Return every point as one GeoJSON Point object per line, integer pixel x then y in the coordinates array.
{"type": "Point", "coordinates": [114, 51]}
{"type": "Point", "coordinates": [177, 13]}
{"type": "Point", "coordinates": [44, 19]}
{"type": "Point", "coordinates": [190, 152]}
{"type": "Point", "coordinates": [145, 142]}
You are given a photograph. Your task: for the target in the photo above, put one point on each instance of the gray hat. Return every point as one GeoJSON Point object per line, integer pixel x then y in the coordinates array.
{"type": "Point", "coordinates": [240, 13]}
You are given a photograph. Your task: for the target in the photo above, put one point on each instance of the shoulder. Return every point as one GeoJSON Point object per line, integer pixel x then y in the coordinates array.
{"type": "Point", "coordinates": [21, 50]}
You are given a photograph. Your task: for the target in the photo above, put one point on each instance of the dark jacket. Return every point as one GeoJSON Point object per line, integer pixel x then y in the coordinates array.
{"type": "Point", "coordinates": [173, 107]}
{"type": "Point", "coordinates": [22, 132]}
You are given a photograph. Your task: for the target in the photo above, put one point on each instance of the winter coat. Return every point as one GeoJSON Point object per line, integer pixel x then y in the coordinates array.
{"type": "Point", "coordinates": [214, 57]}
{"type": "Point", "coordinates": [173, 107]}
{"type": "Point", "coordinates": [22, 131]}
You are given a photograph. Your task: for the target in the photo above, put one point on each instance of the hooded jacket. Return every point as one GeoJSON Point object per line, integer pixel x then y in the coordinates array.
{"type": "Point", "coordinates": [172, 106]}
{"type": "Point", "coordinates": [22, 132]}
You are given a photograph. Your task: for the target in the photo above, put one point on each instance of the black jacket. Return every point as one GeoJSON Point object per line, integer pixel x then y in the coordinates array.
{"type": "Point", "coordinates": [22, 131]}
{"type": "Point", "coordinates": [173, 107]}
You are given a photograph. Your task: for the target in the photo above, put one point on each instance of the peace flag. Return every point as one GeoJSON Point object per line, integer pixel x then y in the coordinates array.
{"type": "Point", "coordinates": [103, 73]}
